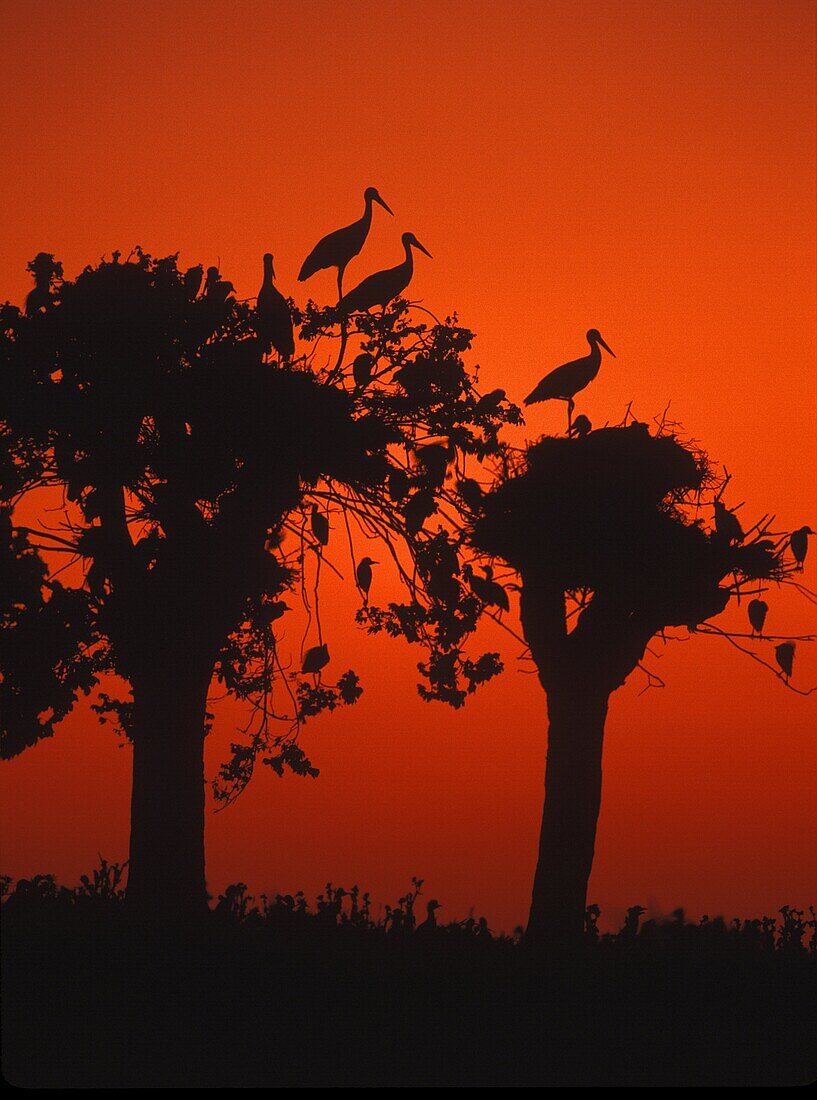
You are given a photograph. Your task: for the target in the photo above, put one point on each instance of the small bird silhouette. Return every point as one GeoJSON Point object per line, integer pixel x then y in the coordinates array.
{"type": "Point", "coordinates": [380, 288]}
{"type": "Point", "coordinates": [489, 591]}
{"type": "Point", "coordinates": [320, 526]}
{"type": "Point", "coordinates": [44, 268]}
{"type": "Point", "coordinates": [273, 320]}
{"type": "Point", "coordinates": [362, 369]}
{"type": "Point", "coordinates": [338, 248]}
{"type": "Point", "coordinates": [363, 574]}
{"type": "Point", "coordinates": [429, 925]}
{"type": "Point", "coordinates": [192, 281]}
{"type": "Point", "coordinates": [727, 524]}
{"type": "Point", "coordinates": [785, 657]}
{"type": "Point", "coordinates": [216, 289]}
{"type": "Point", "coordinates": [757, 611]}
{"type": "Point", "coordinates": [315, 658]}
{"type": "Point", "coordinates": [581, 427]}
{"type": "Point", "coordinates": [799, 544]}
{"type": "Point", "coordinates": [566, 381]}
{"type": "Point", "coordinates": [490, 402]}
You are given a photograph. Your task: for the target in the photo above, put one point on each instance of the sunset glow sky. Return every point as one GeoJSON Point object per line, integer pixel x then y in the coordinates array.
{"type": "Point", "coordinates": [647, 168]}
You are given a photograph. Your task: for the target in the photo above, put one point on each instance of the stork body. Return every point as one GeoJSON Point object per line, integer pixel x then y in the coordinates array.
{"type": "Point", "coordinates": [565, 382]}
{"type": "Point", "coordinates": [338, 248]}
{"type": "Point", "coordinates": [379, 289]}
{"type": "Point", "coordinates": [273, 321]}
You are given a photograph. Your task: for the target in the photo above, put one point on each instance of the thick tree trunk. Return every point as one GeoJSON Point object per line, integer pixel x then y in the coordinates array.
{"type": "Point", "coordinates": [571, 811]}
{"type": "Point", "coordinates": [166, 870]}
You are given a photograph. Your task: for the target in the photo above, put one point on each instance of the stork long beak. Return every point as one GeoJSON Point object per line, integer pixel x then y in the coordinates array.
{"type": "Point", "coordinates": [606, 348]}
{"type": "Point", "coordinates": [425, 250]}
{"type": "Point", "coordinates": [384, 204]}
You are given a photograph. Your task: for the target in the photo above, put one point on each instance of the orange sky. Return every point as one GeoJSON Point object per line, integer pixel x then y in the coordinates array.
{"type": "Point", "coordinates": [646, 168]}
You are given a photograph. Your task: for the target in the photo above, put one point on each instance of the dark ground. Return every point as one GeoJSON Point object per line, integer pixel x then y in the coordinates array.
{"type": "Point", "coordinates": [291, 999]}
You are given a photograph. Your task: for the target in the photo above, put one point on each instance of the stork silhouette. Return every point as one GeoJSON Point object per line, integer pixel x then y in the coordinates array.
{"type": "Point", "coordinates": [379, 289]}
{"type": "Point", "coordinates": [338, 248]}
{"type": "Point", "coordinates": [566, 381]}
{"type": "Point", "coordinates": [273, 321]}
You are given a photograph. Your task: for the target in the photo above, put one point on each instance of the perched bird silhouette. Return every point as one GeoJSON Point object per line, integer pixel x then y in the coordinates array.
{"type": "Point", "coordinates": [362, 369]}
{"type": "Point", "coordinates": [727, 524]}
{"type": "Point", "coordinates": [581, 427]}
{"type": "Point", "coordinates": [363, 573]}
{"type": "Point", "coordinates": [216, 288]}
{"type": "Point", "coordinates": [785, 657]}
{"type": "Point", "coordinates": [489, 591]}
{"type": "Point", "coordinates": [273, 321]}
{"type": "Point", "coordinates": [566, 381]}
{"type": "Point", "coordinates": [799, 544]}
{"type": "Point", "coordinates": [380, 288]}
{"type": "Point", "coordinates": [338, 248]}
{"type": "Point", "coordinates": [192, 280]}
{"type": "Point", "coordinates": [44, 268]}
{"type": "Point", "coordinates": [490, 402]}
{"type": "Point", "coordinates": [757, 611]}
{"type": "Point", "coordinates": [315, 658]}
{"type": "Point", "coordinates": [429, 925]}
{"type": "Point", "coordinates": [320, 526]}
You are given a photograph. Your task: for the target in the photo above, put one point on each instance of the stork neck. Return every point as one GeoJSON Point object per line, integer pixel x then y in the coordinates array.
{"type": "Point", "coordinates": [268, 276]}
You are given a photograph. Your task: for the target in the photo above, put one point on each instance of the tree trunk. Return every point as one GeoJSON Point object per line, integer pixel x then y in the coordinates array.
{"type": "Point", "coordinates": [166, 869]}
{"type": "Point", "coordinates": [571, 811]}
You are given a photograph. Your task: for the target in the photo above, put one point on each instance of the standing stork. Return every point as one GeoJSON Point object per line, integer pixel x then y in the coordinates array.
{"type": "Point", "coordinates": [380, 288]}
{"type": "Point", "coordinates": [566, 381]}
{"type": "Point", "coordinates": [338, 248]}
{"type": "Point", "coordinates": [273, 321]}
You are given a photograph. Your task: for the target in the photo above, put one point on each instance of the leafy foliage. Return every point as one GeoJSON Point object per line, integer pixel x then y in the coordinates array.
{"type": "Point", "coordinates": [199, 477]}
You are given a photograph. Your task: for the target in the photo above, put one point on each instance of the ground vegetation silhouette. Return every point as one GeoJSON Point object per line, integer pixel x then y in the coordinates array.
{"type": "Point", "coordinates": [208, 467]}
{"type": "Point", "coordinates": [346, 992]}
{"type": "Point", "coordinates": [618, 535]}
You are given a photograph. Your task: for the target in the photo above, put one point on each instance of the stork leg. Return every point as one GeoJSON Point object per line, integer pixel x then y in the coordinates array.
{"type": "Point", "coordinates": [570, 407]}
{"type": "Point", "coordinates": [340, 283]}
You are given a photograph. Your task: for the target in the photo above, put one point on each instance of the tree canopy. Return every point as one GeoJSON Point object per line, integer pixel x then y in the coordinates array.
{"type": "Point", "coordinates": [197, 474]}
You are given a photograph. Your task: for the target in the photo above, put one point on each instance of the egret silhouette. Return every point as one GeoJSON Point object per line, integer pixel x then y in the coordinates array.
{"type": "Point", "coordinates": [785, 657]}
{"type": "Point", "coordinates": [363, 574]}
{"type": "Point", "coordinates": [380, 288]}
{"type": "Point", "coordinates": [338, 248]}
{"type": "Point", "coordinates": [799, 544]}
{"type": "Point", "coordinates": [757, 611]}
{"type": "Point", "coordinates": [565, 382]}
{"type": "Point", "coordinates": [315, 658]}
{"type": "Point", "coordinates": [273, 321]}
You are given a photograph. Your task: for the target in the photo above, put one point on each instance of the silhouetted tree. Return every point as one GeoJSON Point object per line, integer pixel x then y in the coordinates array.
{"type": "Point", "coordinates": [196, 474]}
{"type": "Point", "coordinates": [617, 535]}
